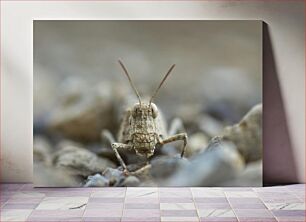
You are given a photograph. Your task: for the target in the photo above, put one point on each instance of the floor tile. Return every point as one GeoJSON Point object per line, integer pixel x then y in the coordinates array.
{"type": "Point", "coordinates": [109, 193]}
{"type": "Point", "coordinates": [3, 200]}
{"type": "Point", "coordinates": [254, 219]}
{"type": "Point", "coordinates": [7, 193]}
{"type": "Point", "coordinates": [68, 193]}
{"type": "Point", "coordinates": [179, 219]}
{"type": "Point", "coordinates": [62, 203]}
{"type": "Point", "coordinates": [110, 206]}
{"type": "Point", "coordinates": [296, 186]}
{"type": "Point", "coordinates": [245, 200]}
{"type": "Point", "coordinates": [177, 206]}
{"type": "Point", "coordinates": [285, 206]}
{"type": "Point", "coordinates": [106, 200]}
{"type": "Point", "coordinates": [240, 194]}
{"type": "Point", "coordinates": [101, 219]}
{"type": "Point", "coordinates": [141, 206]}
{"type": "Point", "coordinates": [278, 189]}
{"type": "Point", "coordinates": [23, 202]}
{"type": "Point", "coordinates": [142, 200]}
{"type": "Point", "coordinates": [14, 214]}
{"type": "Point", "coordinates": [289, 213]}
{"type": "Point", "coordinates": [135, 192]}
{"type": "Point", "coordinates": [216, 213]}
{"type": "Point", "coordinates": [20, 206]}
{"type": "Point", "coordinates": [224, 205]}
{"type": "Point", "coordinates": [103, 213]}
{"type": "Point", "coordinates": [236, 205]}
{"type": "Point", "coordinates": [28, 194]}
{"type": "Point", "coordinates": [300, 195]}
{"type": "Point", "coordinates": [175, 192]}
{"type": "Point", "coordinates": [210, 200]}
{"type": "Point", "coordinates": [273, 197]}
{"type": "Point", "coordinates": [57, 213]}
{"type": "Point", "coordinates": [177, 189]}
{"type": "Point", "coordinates": [281, 200]}
{"type": "Point", "coordinates": [54, 219]}
{"type": "Point", "coordinates": [141, 213]}
{"type": "Point", "coordinates": [178, 213]}
{"type": "Point", "coordinates": [253, 213]}
{"type": "Point", "coordinates": [207, 192]}
{"type": "Point", "coordinates": [218, 219]}
{"type": "Point", "coordinates": [176, 200]}
{"type": "Point", "coordinates": [291, 219]}
{"type": "Point", "coordinates": [140, 219]}
{"type": "Point", "coordinates": [239, 189]}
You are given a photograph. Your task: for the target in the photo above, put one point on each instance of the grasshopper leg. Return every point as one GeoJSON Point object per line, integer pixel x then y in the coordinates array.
{"type": "Point", "coordinates": [108, 136]}
{"type": "Point", "coordinates": [141, 170]}
{"type": "Point", "coordinates": [115, 147]}
{"type": "Point", "coordinates": [176, 137]}
{"type": "Point", "coordinates": [176, 126]}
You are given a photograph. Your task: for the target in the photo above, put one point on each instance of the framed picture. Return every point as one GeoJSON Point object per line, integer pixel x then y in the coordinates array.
{"type": "Point", "coordinates": [147, 103]}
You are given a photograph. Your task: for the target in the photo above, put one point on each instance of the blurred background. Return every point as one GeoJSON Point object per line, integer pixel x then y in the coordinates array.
{"type": "Point", "coordinates": [80, 89]}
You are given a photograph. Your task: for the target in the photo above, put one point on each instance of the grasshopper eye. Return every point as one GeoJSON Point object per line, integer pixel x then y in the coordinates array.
{"type": "Point", "coordinates": [154, 110]}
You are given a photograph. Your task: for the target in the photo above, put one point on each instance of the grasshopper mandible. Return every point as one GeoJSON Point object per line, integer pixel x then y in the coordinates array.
{"type": "Point", "coordinates": [143, 128]}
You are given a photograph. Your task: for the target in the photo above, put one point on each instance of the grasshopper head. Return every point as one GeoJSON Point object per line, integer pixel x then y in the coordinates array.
{"type": "Point", "coordinates": [145, 111]}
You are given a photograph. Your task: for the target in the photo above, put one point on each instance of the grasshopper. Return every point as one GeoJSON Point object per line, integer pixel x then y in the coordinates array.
{"type": "Point", "coordinates": [143, 128]}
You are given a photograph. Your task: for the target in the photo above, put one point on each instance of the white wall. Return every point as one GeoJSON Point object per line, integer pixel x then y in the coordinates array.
{"type": "Point", "coordinates": [284, 18]}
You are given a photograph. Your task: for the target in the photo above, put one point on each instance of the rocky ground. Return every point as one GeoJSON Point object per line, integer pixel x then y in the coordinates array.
{"type": "Point", "coordinates": [69, 151]}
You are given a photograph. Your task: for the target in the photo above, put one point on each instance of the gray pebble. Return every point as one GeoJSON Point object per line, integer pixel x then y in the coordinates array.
{"type": "Point", "coordinates": [97, 181]}
{"type": "Point", "coordinates": [114, 176]}
{"type": "Point", "coordinates": [79, 161]}
{"type": "Point", "coordinates": [131, 181]}
{"type": "Point", "coordinates": [165, 166]}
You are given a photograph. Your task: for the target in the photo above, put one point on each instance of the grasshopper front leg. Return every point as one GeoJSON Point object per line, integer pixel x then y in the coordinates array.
{"type": "Point", "coordinates": [107, 135]}
{"type": "Point", "coordinates": [180, 136]}
{"type": "Point", "coordinates": [177, 126]}
{"type": "Point", "coordinates": [116, 146]}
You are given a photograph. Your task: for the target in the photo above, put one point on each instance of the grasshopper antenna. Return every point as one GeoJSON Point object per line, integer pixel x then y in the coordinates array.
{"type": "Point", "coordinates": [161, 83]}
{"type": "Point", "coordinates": [128, 76]}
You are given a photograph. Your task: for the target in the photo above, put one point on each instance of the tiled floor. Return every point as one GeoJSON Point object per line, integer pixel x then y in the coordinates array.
{"type": "Point", "coordinates": [21, 202]}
